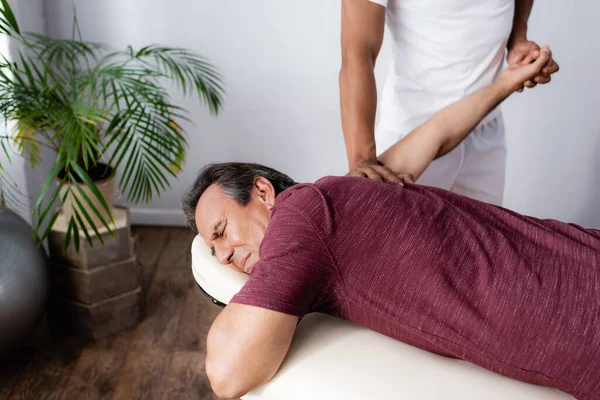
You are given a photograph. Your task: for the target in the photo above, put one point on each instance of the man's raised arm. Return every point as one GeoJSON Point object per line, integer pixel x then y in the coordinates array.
{"type": "Point", "coordinates": [446, 129]}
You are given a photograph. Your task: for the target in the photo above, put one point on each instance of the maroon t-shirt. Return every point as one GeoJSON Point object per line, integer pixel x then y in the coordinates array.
{"type": "Point", "coordinates": [458, 277]}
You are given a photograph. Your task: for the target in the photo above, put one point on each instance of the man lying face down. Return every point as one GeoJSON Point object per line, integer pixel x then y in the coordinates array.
{"type": "Point", "coordinates": [514, 294]}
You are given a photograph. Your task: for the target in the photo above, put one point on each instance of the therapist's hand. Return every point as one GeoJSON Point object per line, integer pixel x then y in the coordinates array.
{"type": "Point", "coordinates": [379, 172]}
{"type": "Point", "coordinates": [522, 52]}
{"type": "Point", "coordinates": [514, 77]}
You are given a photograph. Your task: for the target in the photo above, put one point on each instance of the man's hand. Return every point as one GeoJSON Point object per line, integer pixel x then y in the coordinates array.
{"type": "Point", "coordinates": [522, 52]}
{"type": "Point", "coordinates": [516, 75]}
{"type": "Point", "coordinates": [379, 172]}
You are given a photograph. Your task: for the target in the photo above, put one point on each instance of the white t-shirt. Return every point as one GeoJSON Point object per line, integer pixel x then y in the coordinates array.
{"type": "Point", "coordinates": [442, 50]}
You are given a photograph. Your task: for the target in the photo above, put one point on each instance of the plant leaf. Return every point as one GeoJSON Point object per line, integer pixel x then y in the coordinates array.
{"type": "Point", "coordinates": [87, 216]}
{"type": "Point", "coordinates": [92, 186]}
{"type": "Point", "coordinates": [85, 231]}
{"type": "Point", "coordinates": [9, 16]}
{"type": "Point", "coordinates": [54, 171]}
{"type": "Point", "coordinates": [70, 228]}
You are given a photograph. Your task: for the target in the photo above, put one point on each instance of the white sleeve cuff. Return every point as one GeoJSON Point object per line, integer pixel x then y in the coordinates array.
{"type": "Point", "coordinates": [381, 2]}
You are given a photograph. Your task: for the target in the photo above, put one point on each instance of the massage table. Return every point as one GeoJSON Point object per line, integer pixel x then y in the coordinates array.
{"type": "Point", "coordinates": [333, 359]}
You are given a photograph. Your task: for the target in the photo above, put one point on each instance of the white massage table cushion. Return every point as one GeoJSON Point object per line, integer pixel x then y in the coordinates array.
{"type": "Point", "coordinates": [216, 280]}
{"type": "Point", "coordinates": [334, 359]}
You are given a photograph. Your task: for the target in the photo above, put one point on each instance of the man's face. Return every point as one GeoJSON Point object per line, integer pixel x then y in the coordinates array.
{"type": "Point", "coordinates": [234, 232]}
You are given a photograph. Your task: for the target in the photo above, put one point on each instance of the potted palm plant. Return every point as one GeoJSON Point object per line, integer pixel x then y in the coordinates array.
{"type": "Point", "coordinates": [97, 110]}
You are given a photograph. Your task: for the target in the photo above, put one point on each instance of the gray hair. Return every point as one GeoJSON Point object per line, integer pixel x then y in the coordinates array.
{"type": "Point", "coordinates": [236, 180]}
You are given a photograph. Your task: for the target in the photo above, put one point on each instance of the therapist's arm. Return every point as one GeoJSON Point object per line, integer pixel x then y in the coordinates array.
{"type": "Point", "coordinates": [361, 38]}
{"type": "Point", "coordinates": [245, 347]}
{"type": "Point", "coordinates": [446, 129]}
{"type": "Point", "coordinates": [521, 50]}
{"type": "Point", "coordinates": [520, 20]}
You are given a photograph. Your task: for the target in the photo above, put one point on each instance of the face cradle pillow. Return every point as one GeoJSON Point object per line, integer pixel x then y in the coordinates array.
{"type": "Point", "coordinates": [217, 281]}
{"type": "Point", "coordinates": [334, 359]}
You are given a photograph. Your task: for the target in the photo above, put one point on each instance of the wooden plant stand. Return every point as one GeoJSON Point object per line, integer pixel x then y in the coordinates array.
{"type": "Point", "coordinates": [97, 291]}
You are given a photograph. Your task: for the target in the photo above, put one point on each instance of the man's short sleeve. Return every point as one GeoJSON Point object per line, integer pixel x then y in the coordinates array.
{"type": "Point", "coordinates": [381, 2]}
{"type": "Point", "coordinates": [294, 266]}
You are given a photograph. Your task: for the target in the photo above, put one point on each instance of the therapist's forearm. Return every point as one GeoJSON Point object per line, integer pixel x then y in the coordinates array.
{"type": "Point", "coordinates": [358, 103]}
{"type": "Point", "coordinates": [520, 20]}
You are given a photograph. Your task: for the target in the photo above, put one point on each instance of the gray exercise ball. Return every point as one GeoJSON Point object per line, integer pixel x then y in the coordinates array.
{"type": "Point", "coordinates": [23, 282]}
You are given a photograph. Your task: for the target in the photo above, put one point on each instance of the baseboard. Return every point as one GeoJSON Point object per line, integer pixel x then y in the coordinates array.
{"type": "Point", "coordinates": [156, 217]}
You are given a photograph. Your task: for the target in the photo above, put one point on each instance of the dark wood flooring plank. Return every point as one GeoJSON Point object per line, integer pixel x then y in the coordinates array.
{"type": "Point", "coordinates": [151, 242]}
{"type": "Point", "coordinates": [186, 376]}
{"type": "Point", "coordinates": [197, 317]}
{"type": "Point", "coordinates": [152, 348]}
{"type": "Point", "coordinates": [178, 250]}
{"type": "Point", "coordinates": [49, 370]}
{"type": "Point", "coordinates": [11, 370]}
{"type": "Point", "coordinates": [97, 371]}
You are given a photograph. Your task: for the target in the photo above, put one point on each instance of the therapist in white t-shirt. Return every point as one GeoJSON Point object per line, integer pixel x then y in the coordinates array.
{"type": "Point", "coordinates": [442, 50]}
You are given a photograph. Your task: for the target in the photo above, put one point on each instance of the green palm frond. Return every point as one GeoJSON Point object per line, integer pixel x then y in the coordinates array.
{"type": "Point", "coordinates": [8, 22]}
{"type": "Point", "coordinates": [10, 193]}
{"type": "Point", "coordinates": [88, 105]}
{"type": "Point", "coordinates": [61, 52]}
{"type": "Point", "coordinates": [153, 140]}
{"type": "Point", "coordinates": [5, 182]}
{"type": "Point", "coordinates": [192, 72]}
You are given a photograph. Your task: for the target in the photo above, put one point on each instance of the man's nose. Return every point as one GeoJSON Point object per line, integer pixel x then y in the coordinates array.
{"type": "Point", "coordinates": [224, 254]}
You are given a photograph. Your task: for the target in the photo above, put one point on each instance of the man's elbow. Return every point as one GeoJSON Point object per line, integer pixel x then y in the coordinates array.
{"type": "Point", "coordinates": [224, 390]}
{"type": "Point", "coordinates": [227, 383]}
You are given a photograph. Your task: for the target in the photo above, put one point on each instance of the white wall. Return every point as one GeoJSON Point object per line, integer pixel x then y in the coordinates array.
{"type": "Point", "coordinates": [281, 61]}
{"type": "Point", "coordinates": [554, 130]}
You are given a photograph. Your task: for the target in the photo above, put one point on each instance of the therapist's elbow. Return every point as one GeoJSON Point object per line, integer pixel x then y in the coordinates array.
{"type": "Point", "coordinates": [225, 382]}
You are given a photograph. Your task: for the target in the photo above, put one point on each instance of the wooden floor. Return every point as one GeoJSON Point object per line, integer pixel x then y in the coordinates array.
{"type": "Point", "coordinates": [161, 358]}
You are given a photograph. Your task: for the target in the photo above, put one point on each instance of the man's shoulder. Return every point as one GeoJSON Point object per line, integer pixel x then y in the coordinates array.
{"type": "Point", "coordinates": [321, 190]}
{"type": "Point", "coordinates": [343, 185]}
{"type": "Point", "coordinates": [315, 202]}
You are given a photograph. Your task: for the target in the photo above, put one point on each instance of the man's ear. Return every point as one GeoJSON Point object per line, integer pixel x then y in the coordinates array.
{"type": "Point", "coordinates": [265, 192]}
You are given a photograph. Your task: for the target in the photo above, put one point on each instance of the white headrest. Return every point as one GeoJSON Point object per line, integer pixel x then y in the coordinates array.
{"type": "Point", "coordinates": [217, 280]}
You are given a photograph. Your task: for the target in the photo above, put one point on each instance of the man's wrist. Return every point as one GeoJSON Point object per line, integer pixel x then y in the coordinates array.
{"type": "Point", "coordinates": [503, 87]}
